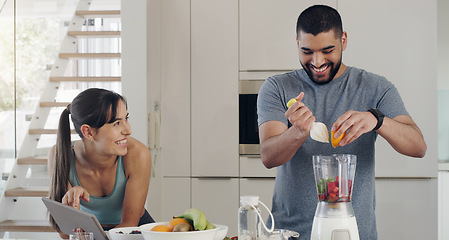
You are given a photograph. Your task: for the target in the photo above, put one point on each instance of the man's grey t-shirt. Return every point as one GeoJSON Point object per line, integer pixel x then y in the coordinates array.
{"type": "Point", "coordinates": [295, 196]}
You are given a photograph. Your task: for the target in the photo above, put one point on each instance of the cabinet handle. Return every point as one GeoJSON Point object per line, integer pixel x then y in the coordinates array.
{"type": "Point", "coordinates": [267, 70]}
{"type": "Point", "coordinates": [404, 178]}
{"type": "Point", "coordinates": [213, 177]}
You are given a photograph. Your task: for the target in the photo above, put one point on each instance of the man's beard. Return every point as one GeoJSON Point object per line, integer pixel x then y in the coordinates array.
{"type": "Point", "coordinates": [333, 72]}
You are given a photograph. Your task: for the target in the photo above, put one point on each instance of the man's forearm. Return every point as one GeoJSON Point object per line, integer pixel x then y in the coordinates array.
{"type": "Point", "coordinates": [404, 136]}
{"type": "Point", "coordinates": [279, 149]}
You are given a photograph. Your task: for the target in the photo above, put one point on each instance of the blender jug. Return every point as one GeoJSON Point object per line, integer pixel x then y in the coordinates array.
{"type": "Point", "coordinates": [334, 215]}
{"type": "Point", "coordinates": [334, 177]}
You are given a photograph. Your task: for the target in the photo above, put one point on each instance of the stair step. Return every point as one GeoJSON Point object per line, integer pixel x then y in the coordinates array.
{"type": "Point", "coordinates": [53, 104]}
{"type": "Point", "coordinates": [28, 191]}
{"type": "Point", "coordinates": [45, 131]}
{"type": "Point", "coordinates": [26, 226]}
{"type": "Point", "coordinates": [89, 55]}
{"type": "Point", "coordinates": [93, 33]}
{"type": "Point", "coordinates": [85, 79]}
{"type": "Point", "coordinates": [103, 13]}
{"type": "Point", "coordinates": [32, 161]}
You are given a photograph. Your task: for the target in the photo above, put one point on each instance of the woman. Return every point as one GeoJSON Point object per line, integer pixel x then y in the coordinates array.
{"type": "Point", "coordinates": [107, 172]}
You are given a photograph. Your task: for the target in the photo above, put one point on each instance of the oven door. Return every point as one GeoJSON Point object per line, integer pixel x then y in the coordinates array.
{"type": "Point", "coordinates": [248, 127]}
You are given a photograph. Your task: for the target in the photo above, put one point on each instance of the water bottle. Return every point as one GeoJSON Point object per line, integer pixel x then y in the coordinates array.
{"type": "Point", "coordinates": [250, 220]}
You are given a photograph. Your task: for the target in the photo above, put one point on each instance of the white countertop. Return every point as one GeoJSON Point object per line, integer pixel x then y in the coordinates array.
{"type": "Point", "coordinates": [443, 166]}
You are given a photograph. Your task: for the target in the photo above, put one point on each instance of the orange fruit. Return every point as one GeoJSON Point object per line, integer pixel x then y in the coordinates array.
{"type": "Point", "coordinates": [161, 228]}
{"type": "Point", "coordinates": [336, 141]}
{"type": "Point", "coordinates": [175, 221]}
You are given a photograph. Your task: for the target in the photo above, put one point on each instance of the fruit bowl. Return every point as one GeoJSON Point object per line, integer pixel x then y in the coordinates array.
{"type": "Point", "coordinates": [217, 233]}
{"type": "Point", "coordinates": [124, 233]}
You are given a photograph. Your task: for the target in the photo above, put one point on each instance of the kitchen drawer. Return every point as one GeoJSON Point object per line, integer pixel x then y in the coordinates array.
{"type": "Point", "coordinates": [252, 166]}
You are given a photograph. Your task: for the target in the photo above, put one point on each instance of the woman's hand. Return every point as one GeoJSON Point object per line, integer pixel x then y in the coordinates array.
{"type": "Point", "coordinates": [73, 195]}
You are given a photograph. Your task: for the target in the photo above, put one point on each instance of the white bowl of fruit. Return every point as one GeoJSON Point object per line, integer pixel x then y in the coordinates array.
{"type": "Point", "coordinates": [192, 225]}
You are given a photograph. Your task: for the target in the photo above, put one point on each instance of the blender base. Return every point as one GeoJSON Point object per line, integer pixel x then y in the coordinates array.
{"type": "Point", "coordinates": [344, 228]}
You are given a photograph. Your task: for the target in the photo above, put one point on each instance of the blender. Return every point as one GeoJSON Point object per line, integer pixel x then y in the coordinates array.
{"type": "Point", "coordinates": [334, 216]}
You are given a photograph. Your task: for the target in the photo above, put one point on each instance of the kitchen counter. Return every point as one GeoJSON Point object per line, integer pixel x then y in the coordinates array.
{"type": "Point", "coordinates": [443, 165]}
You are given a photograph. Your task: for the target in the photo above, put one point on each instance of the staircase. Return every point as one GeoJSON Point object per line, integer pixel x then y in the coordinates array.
{"type": "Point", "coordinates": [21, 208]}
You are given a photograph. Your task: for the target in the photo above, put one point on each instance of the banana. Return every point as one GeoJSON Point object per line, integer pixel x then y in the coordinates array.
{"type": "Point", "coordinates": [197, 216]}
{"type": "Point", "coordinates": [209, 225]}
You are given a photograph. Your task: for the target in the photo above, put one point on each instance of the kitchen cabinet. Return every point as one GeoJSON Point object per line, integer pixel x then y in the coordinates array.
{"type": "Point", "coordinates": [443, 200]}
{"type": "Point", "coordinates": [405, 209]}
{"type": "Point", "coordinates": [368, 23]}
{"type": "Point", "coordinates": [176, 197]}
{"type": "Point", "coordinates": [268, 33]}
{"type": "Point", "coordinates": [175, 88]}
{"type": "Point", "coordinates": [214, 88]}
{"type": "Point", "coordinates": [218, 198]}
{"type": "Point", "coordinates": [252, 166]}
{"type": "Point", "coordinates": [262, 187]}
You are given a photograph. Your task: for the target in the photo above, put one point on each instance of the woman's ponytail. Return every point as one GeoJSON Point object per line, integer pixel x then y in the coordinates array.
{"type": "Point", "coordinates": [61, 166]}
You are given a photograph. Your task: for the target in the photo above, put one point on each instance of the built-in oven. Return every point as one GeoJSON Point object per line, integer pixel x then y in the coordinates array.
{"type": "Point", "coordinates": [248, 127]}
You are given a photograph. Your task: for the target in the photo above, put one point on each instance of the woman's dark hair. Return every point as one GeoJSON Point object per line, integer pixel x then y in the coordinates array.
{"type": "Point", "coordinates": [94, 107]}
{"type": "Point", "coordinates": [318, 19]}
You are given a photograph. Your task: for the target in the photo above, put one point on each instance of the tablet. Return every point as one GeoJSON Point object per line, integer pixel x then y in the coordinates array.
{"type": "Point", "coordinates": [69, 218]}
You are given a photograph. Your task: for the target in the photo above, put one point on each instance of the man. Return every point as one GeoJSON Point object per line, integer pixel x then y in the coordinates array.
{"type": "Point", "coordinates": [351, 100]}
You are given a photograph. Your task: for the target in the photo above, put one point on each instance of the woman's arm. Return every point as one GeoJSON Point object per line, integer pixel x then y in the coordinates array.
{"type": "Point", "coordinates": [137, 163]}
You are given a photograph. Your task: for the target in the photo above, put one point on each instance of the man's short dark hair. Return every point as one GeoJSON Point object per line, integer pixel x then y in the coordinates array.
{"type": "Point", "coordinates": [318, 19]}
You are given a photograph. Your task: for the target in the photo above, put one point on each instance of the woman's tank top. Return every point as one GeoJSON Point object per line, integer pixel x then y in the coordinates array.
{"type": "Point", "coordinates": [108, 210]}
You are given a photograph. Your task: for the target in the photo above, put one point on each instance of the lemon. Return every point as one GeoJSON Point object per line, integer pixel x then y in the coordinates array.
{"type": "Point", "coordinates": [290, 102]}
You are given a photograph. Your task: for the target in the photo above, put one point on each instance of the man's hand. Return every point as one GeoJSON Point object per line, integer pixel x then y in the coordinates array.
{"type": "Point", "coordinates": [300, 116]}
{"type": "Point", "coordinates": [278, 143]}
{"type": "Point", "coordinates": [73, 195]}
{"type": "Point", "coordinates": [400, 132]}
{"type": "Point", "coordinates": [354, 124]}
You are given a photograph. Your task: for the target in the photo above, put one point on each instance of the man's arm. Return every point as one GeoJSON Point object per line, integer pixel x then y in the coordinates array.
{"type": "Point", "coordinates": [278, 143]}
{"type": "Point", "coordinates": [404, 136]}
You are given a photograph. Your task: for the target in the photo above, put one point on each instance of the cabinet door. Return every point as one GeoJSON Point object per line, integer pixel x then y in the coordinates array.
{"type": "Point", "coordinates": [214, 82]}
{"type": "Point", "coordinates": [268, 33]}
{"type": "Point", "coordinates": [175, 88]}
{"type": "Point", "coordinates": [252, 166]}
{"type": "Point", "coordinates": [407, 209]}
{"type": "Point", "coordinates": [175, 197]}
{"type": "Point", "coordinates": [262, 187]}
{"type": "Point", "coordinates": [218, 198]}
{"type": "Point", "coordinates": [371, 49]}
{"type": "Point", "coordinates": [443, 207]}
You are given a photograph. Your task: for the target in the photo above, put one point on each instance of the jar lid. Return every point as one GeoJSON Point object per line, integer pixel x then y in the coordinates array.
{"type": "Point", "coordinates": [249, 200]}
